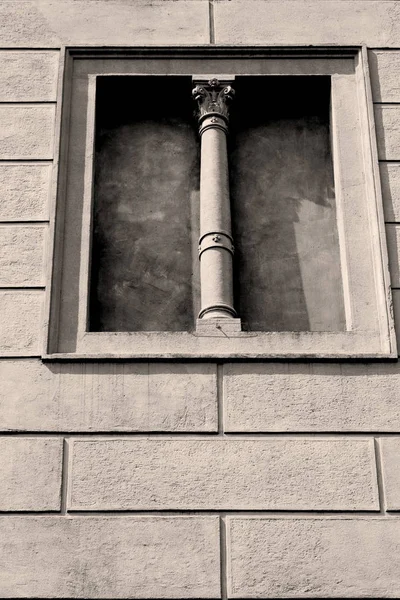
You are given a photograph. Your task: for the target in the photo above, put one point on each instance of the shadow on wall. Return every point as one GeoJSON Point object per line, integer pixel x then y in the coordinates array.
{"type": "Point", "coordinates": [287, 261]}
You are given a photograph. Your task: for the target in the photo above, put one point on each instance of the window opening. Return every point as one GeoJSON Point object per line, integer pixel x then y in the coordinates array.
{"type": "Point", "coordinates": [147, 207]}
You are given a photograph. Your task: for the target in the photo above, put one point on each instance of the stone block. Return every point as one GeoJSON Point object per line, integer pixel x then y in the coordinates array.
{"type": "Point", "coordinates": [30, 473]}
{"type": "Point", "coordinates": [223, 474]}
{"type": "Point", "coordinates": [390, 181]}
{"type": "Point", "coordinates": [312, 397]}
{"type": "Point", "coordinates": [310, 22]}
{"type": "Point", "coordinates": [313, 557]}
{"type": "Point", "coordinates": [387, 121]}
{"type": "Point", "coordinates": [110, 557]}
{"type": "Point", "coordinates": [396, 313]}
{"type": "Point", "coordinates": [27, 76]}
{"type": "Point", "coordinates": [21, 322]}
{"type": "Point", "coordinates": [393, 244]}
{"type": "Point", "coordinates": [390, 450]}
{"type": "Point", "coordinates": [385, 75]}
{"type": "Point", "coordinates": [22, 251]}
{"type": "Point", "coordinates": [26, 131]}
{"type": "Point", "coordinates": [107, 396]}
{"type": "Point", "coordinates": [50, 24]}
{"type": "Point", "coordinates": [24, 190]}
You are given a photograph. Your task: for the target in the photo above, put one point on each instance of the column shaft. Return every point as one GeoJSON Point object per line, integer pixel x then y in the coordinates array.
{"type": "Point", "coordinates": [215, 244]}
{"type": "Point", "coordinates": [215, 225]}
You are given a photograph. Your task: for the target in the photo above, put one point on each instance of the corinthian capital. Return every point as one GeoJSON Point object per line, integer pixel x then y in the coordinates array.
{"type": "Point", "coordinates": [213, 98]}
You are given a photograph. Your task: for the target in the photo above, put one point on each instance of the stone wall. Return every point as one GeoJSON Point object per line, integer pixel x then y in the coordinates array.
{"type": "Point", "coordinates": [187, 480]}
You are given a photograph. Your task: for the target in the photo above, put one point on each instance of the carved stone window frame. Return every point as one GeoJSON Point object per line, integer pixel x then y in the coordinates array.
{"type": "Point", "coordinates": [370, 329]}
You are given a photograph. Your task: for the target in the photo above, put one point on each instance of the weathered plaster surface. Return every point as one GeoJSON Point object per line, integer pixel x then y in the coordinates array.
{"type": "Point", "coordinates": [258, 474]}
{"type": "Point", "coordinates": [28, 76]}
{"type": "Point", "coordinates": [309, 22]}
{"type": "Point", "coordinates": [387, 120]}
{"type": "Point", "coordinates": [26, 131]}
{"type": "Point", "coordinates": [390, 181]}
{"type": "Point", "coordinates": [390, 449]}
{"type": "Point", "coordinates": [21, 322]}
{"type": "Point", "coordinates": [107, 396]}
{"type": "Point", "coordinates": [313, 558]}
{"type": "Point", "coordinates": [51, 23]}
{"type": "Point", "coordinates": [312, 397]}
{"type": "Point", "coordinates": [30, 473]}
{"type": "Point", "coordinates": [22, 255]}
{"type": "Point", "coordinates": [385, 75]}
{"type": "Point", "coordinates": [24, 190]}
{"type": "Point", "coordinates": [110, 557]}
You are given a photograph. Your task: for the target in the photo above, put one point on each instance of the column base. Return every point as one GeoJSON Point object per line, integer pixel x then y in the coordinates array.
{"type": "Point", "coordinates": [218, 327]}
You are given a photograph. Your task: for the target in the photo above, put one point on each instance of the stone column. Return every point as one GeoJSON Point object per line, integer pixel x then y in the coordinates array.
{"type": "Point", "coordinates": [215, 243]}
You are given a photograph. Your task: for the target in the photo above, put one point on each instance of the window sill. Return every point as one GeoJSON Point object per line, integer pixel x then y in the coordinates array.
{"type": "Point", "coordinates": [220, 345]}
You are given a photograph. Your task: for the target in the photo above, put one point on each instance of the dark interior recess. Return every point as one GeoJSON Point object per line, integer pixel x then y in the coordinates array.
{"type": "Point", "coordinates": [146, 177]}
{"type": "Point", "coordinates": [144, 272]}
{"type": "Point", "coordinates": [287, 261]}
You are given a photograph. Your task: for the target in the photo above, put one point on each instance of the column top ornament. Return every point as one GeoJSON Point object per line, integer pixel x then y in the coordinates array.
{"type": "Point", "coordinates": [213, 98]}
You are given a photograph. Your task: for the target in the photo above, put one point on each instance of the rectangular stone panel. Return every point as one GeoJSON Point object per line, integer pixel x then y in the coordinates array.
{"type": "Point", "coordinates": [310, 22]}
{"type": "Point", "coordinates": [313, 557]}
{"type": "Point", "coordinates": [30, 473]}
{"type": "Point", "coordinates": [21, 322]}
{"type": "Point", "coordinates": [22, 250]}
{"type": "Point", "coordinates": [390, 451]}
{"type": "Point", "coordinates": [393, 243]}
{"type": "Point", "coordinates": [24, 190]}
{"type": "Point", "coordinates": [224, 474]}
{"type": "Point", "coordinates": [390, 182]}
{"type": "Point", "coordinates": [312, 397]}
{"type": "Point", "coordinates": [387, 121]}
{"type": "Point", "coordinates": [396, 314]}
{"type": "Point", "coordinates": [110, 557]}
{"type": "Point", "coordinates": [385, 75]}
{"type": "Point", "coordinates": [37, 396]}
{"type": "Point", "coordinates": [129, 23]}
{"type": "Point", "coordinates": [27, 76]}
{"type": "Point", "coordinates": [26, 131]}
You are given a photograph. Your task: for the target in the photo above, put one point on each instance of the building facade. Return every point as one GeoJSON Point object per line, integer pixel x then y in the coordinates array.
{"type": "Point", "coordinates": [213, 461]}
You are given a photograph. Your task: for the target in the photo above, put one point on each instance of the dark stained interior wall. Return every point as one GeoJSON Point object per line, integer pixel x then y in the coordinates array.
{"type": "Point", "coordinates": [144, 259]}
{"type": "Point", "coordinates": [287, 263]}
{"type": "Point", "coordinates": [146, 171]}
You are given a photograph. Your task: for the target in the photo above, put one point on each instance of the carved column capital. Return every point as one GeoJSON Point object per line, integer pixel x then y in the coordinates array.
{"type": "Point", "coordinates": [213, 98]}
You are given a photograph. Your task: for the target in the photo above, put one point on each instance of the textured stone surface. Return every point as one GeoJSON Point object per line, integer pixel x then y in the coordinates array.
{"type": "Point", "coordinates": [393, 243]}
{"type": "Point", "coordinates": [312, 397]}
{"type": "Point", "coordinates": [108, 557]}
{"type": "Point", "coordinates": [385, 75]}
{"type": "Point", "coordinates": [141, 277]}
{"type": "Point", "coordinates": [107, 396]}
{"type": "Point", "coordinates": [26, 131]}
{"type": "Point", "coordinates": [21, 322]}
{"type": "Point", "coordinates": [287, 260]}
{"type": "Point", "coordinates": [374, 23]}
{"type": "Point", "coordinates": [24, 190]}
{"type": "Point", "coordinates": [28, 76]}
{"type": "Point", "coordinates": [314, 558]}
{"type": "Point", "coordinates": [223, 474]}
{"type": "Point", "coordinates": [390, 451]}
{"type": "Point", "coordinates": [50, 23]}
{"type": "Point", "coordinates": [396, 312]}
{"type": "Point", "coordinates": [387, 121]}
{"type": "Point", "coordinates": [22, 255]}
{"type": "Point", "coordinates": [390, 181]}
{"type": "Point", "coordinates": [30, 473]}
